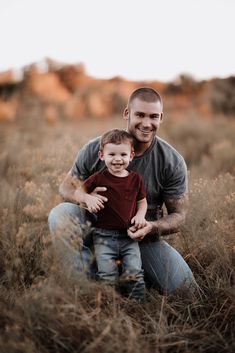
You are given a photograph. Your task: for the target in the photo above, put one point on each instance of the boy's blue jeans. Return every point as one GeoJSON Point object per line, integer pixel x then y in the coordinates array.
{"type": "Point", "coordinates": [113, 245]}
{"type": "Point", "coordinates": [164, 268]}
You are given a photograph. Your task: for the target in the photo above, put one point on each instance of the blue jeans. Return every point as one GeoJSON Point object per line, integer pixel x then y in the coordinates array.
{"type": "Point", "coordinates": [113, 245]}
{"type": "Point", "coordinates": [163, 266]}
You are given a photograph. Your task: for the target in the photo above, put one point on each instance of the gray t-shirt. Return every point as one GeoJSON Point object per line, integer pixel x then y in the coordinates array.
{"type": "Point", "coordinates": [163, 170]}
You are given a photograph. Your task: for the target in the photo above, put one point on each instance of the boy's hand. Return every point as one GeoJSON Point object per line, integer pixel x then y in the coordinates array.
{"type": "Point", "coordinates": [139, 234]}
{"type": "Point", "coordinates": [138, 222]}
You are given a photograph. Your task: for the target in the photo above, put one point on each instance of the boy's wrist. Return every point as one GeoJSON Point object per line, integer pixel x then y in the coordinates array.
{"type": "Point", "coordinates": [140, 214]}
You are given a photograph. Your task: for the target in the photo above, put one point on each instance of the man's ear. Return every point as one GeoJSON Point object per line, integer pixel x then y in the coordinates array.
{"type": "Point", "coordinates": [161, 118]}
{"type": "Point", "coordinates": [126, 114]}
{"type": "Point", "coordinates": [101, 155]}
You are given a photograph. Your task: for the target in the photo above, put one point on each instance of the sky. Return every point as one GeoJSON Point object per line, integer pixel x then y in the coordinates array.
{"type": "Point", "coordinates": [134, 39]}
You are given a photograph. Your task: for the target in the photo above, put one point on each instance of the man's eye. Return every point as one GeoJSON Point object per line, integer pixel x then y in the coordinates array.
{"type": "Point", "coordinates": [155, 116]}
{"type": "Point", "coordinates": [140, 115]}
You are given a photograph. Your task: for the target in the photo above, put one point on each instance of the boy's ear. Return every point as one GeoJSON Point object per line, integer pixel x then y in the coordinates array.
{"type": "Point", "coordinates": [101, 155]}
{"type": "Point", "coordinates": [132, 155]}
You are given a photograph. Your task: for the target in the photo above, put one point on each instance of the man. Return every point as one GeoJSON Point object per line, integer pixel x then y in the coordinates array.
{"type": "Point", "coordinates": [165, 177]}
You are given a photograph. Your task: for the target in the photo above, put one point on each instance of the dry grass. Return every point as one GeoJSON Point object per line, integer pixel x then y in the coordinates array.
{"type": "Point", "coordinates": [42, 310]}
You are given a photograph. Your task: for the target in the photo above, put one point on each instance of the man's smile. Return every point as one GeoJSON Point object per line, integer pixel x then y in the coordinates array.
{"type": "Point", "coordinates": [144, 131]}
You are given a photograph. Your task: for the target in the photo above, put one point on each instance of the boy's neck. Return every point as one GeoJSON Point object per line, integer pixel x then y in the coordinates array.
{"type": "Point", "coordinates": [120, 174]}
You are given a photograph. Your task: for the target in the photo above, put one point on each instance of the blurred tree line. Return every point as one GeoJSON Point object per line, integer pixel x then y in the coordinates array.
{"type": "Point", "coordinates": [220, 93]}
{"type": "Point", "coordinates": [67, 92]}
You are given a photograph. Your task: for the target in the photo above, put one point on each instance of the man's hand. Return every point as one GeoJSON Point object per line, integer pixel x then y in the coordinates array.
{"type": "Point", "coordinates": [96, 191]}
{"type": "Point", "coordinates": [94, 202]}
{"type": "Point", "coordinates": [139, 234]}
{"type": "Point", "coordinates": [166, 225]}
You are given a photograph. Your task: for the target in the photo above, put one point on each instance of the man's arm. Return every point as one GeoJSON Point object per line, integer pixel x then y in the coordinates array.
{"type": "Point", "coordinates": [169, 224]}
{"type": "Point", "coordinates": [71, 190]}
{"type": "Point", "coordinates": [68, 188]}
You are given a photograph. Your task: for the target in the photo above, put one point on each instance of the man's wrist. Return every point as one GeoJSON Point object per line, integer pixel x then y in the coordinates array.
{"type": "Point", "coordinates": [153, 228]}
{"type": "Point", "coordinates": [76, 196]}
{"type": "Point", "coordinates": [79, 196]}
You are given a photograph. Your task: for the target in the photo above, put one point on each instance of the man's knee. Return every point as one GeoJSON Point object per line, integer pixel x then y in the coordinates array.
{"type": "Point", "coordinates": [54, 216]}
{"type": "Point", "coordinates": [52, 219]}
{"type": "Point", "coordinates": [64, 216]}
{"type": "Point", "coordinates": [69, 221]}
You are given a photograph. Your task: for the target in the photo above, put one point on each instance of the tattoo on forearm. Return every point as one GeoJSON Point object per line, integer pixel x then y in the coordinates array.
{"type": "Point", "coordinates": [176, 208]}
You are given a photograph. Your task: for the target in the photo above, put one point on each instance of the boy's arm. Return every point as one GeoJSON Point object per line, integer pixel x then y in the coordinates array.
{"type": "Point", "coordinates": [138, 220]}
{"type": "Point", "coordinates": [141, 208]}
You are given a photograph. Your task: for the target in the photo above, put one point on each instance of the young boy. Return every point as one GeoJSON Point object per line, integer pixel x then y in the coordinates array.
{"type": "Point", "coordinates": [126, 206]}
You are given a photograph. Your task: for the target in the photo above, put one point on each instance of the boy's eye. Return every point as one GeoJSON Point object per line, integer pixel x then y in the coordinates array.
{"type": "Point", "coordinates": [124, 154]}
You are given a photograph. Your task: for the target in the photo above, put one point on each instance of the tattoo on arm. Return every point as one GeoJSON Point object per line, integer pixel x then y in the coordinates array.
{"type": "Point", "coordinates": [68, 186]}
{"type": "Point", "coordinates": [176, 208]}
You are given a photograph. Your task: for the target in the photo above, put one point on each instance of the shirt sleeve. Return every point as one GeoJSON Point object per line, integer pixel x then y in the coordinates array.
{"type": "Point", "coordinates": [90, 183]}
{"type": "Point", "coordinates": [141, 194]}
{"type": "Point", "coordinates": [86, 160]}
{"type": "Point", "coordinates": [176, 184]}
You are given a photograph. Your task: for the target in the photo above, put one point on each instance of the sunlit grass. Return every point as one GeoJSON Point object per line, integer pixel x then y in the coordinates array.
{"type": "Point", "coordinates": [43, 310]}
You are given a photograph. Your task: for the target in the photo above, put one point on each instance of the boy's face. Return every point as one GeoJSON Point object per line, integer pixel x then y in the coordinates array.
{"type": "Point", "coordinates": [117, 157]}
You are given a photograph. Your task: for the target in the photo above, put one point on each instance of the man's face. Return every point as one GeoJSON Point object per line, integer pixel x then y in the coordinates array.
{"type": "Point", "coordinates": [143, 120]}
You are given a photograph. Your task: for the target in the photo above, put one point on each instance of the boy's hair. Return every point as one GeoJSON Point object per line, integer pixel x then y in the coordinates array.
{"type": "Point", "coordinates": [116, 136]}
{"type": "Point", "coordinates": [146, 94]}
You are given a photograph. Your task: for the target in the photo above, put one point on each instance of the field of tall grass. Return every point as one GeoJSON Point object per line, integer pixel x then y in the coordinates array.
{"type": "Point", "coordinates": [43, 310]}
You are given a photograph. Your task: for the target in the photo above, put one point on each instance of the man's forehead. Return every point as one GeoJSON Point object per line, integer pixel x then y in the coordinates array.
{"type": "Point", "coordinates": [138, 104]}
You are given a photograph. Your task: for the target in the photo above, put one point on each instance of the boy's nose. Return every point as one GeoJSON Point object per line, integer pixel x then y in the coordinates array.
{"type": "Point", "coordinates": [117, 158]}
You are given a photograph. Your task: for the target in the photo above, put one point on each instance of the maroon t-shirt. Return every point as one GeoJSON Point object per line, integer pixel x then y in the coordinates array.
{"type": "Point", "coordinates": [122, 194]}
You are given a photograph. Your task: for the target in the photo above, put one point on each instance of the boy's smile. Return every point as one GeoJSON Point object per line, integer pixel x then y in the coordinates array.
{"type": "Point", "coordinates": [117, 157]}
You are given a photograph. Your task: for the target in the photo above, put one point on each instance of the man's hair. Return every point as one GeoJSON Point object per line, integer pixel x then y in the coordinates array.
{"type": "Point", "coordinates": [146, 94]}
{"type": "Point", "coordinates": [116, 136]}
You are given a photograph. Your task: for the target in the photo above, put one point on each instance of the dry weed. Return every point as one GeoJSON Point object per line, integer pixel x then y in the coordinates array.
{"type": "Point", "coordinates": [42, 309]}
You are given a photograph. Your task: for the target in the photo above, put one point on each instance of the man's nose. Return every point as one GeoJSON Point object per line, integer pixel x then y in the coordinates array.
{"type": "Point", "coordinates": [146, 122]}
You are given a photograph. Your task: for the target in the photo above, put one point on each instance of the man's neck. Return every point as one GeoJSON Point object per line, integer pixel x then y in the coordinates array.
{"type": "Point", "coordinates": [140, 148]}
